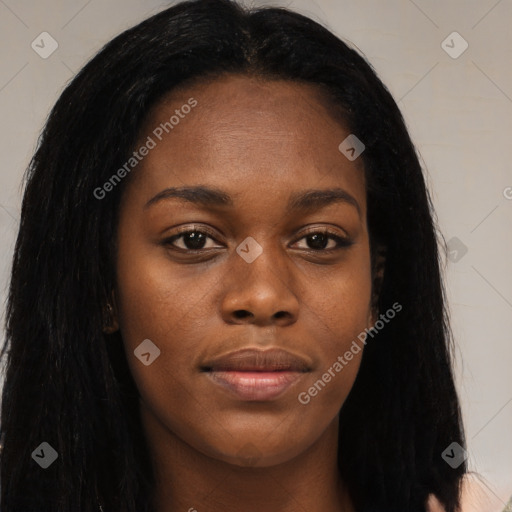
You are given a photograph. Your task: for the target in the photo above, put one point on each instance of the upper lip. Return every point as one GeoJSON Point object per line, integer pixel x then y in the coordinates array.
{"type": "Point", "coordinates": [248, 359]}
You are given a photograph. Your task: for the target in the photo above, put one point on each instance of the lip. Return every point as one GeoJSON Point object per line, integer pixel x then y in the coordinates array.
{"type": "Point", "coordinates": [256, 375]}
{"type": "Point", "coordinates": [257, 360]}
{"type": "Point", "coordinates": [255, 386]}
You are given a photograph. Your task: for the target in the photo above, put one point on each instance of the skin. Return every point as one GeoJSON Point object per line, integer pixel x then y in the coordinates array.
{"type": "Point", "coordinates": [258, 141]}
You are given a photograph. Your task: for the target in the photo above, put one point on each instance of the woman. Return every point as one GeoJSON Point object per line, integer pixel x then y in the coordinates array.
{"type": "Point", "coordinates": [226, 290]}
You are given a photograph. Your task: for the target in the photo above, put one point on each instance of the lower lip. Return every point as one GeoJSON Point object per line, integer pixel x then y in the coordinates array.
{"type": "Point", "coordinates": [255, 386]}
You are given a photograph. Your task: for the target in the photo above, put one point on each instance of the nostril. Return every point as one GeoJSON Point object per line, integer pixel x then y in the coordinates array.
{"type": "Point", "coordinates": [242, 313]}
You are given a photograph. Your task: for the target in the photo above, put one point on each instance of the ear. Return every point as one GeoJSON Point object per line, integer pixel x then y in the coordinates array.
{"type": "Point", "coordinates": [110, 315]}
{"type": "Point", "coordinates": [378, 267]}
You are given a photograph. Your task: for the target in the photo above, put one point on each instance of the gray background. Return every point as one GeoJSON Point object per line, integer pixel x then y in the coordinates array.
{"type": "Point", "coordinates": [458, 111]}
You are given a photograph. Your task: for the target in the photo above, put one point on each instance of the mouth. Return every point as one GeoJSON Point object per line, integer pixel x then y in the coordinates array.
{"type": "Point", "coordinates": [255, 386]}
{"type": "Point", "coordinates": [256, 375]}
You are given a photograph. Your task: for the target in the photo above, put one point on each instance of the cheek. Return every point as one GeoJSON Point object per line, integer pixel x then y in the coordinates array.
{"type": "Point", "coordinates": [341, 300]}
{"type": "Point", "coordinates": [157, 299]}
{"type": "Point", "coordinates": [339, 311]}
{"type": "Point", "coordinates": [340, 349]}
{"type": "Point", "coordinates": [325, 394]}
{"type": "Point", "coordinates": [154, 303]}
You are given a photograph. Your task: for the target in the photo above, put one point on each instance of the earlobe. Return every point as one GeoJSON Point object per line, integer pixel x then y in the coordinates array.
{"type": "Point", "coordinates": [373, 315]}
{"type": "Point", "coordinates": [110, 320]}
{"type": "Point", "coordinates": [378, 266]}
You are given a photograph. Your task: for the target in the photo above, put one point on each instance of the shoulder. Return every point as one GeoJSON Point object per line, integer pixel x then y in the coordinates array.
{"type": "Point", "coordinates": [434, 505]}
{"type": "Point", "coordinates": [475, 497]}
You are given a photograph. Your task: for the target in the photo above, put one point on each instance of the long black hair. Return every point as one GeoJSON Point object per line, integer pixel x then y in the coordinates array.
{"type": "Point", "coordinates": [68, 384]}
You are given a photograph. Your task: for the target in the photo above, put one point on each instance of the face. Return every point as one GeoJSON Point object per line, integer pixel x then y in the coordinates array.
{"type": "Point", "coordinates": [276, 257]}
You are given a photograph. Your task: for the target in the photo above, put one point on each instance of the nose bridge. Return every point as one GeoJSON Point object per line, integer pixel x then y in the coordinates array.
{"type": "Point", "coordinates": [264, 259]}
{"type": "Point", "coordinates": [261, 287]}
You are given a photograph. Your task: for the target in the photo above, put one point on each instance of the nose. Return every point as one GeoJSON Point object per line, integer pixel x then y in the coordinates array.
{"type": "Point", "coordinates": [260, 293]}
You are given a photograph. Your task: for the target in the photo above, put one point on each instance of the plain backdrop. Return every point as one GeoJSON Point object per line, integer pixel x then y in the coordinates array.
{"type": "Point", "coordinates": [457, 102]}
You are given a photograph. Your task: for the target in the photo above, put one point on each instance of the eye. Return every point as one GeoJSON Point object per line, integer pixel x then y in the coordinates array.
{"type": "Point", "coordinates": [319, 241]}
{"type": "Point", "coordinates": [195, 239]}
{"type": "Point", "coordinates": [190, 240]}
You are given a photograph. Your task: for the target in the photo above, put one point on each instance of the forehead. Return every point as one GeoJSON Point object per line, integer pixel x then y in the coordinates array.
{"type": "Point", "coordinates": [244, 132]}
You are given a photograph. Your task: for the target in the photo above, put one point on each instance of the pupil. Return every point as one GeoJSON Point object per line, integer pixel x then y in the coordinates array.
{"type": "Point", "coordinates": [319, 240]}
{"type": "Point", "coordinates": [194, 240]}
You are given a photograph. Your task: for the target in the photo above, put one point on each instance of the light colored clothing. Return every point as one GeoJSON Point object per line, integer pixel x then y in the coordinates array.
{"type": "Point", "coordinates": [476, 497]}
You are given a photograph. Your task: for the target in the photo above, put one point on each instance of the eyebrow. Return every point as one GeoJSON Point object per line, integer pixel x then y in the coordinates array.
{"type": "Point", "coordinates": [212, 197]}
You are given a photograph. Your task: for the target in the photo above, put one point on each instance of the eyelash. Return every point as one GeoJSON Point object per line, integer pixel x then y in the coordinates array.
{"type": "Point", "coordinates": [340, 241]}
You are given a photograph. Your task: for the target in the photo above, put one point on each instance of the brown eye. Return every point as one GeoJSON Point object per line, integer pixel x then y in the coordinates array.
{"type": "Point", "coordinates": [319, 241]}
{"type": "Point", "coordinates": [197, 240]}
{"type": "Point", "coordinates": [191, 240]}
